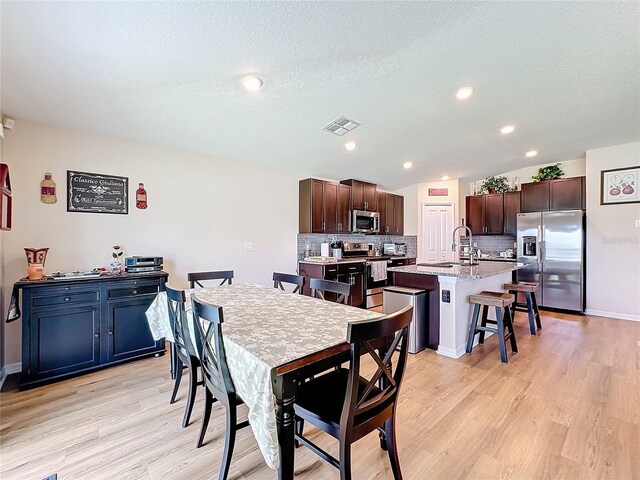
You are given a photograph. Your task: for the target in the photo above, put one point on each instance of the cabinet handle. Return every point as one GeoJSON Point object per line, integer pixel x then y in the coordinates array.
{"type": "Point", "coordinates": [110, 332]}
{"type": "Point", "coordinates": [68, 288]}
{"type": "Point", "coordinates": [96, 335]}
{"type": "Point", "coordinates": [66, 299]}
{"type": "Point", "coordinates": [135, 283]}
{"type": "Point", "coordinates": [135, 292]}
{"type": "Point", "coordinates": [323, 226]}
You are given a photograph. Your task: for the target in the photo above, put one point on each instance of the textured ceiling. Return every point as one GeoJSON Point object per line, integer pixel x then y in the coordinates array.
{"type": "Point", "coordinates": [566, 73]}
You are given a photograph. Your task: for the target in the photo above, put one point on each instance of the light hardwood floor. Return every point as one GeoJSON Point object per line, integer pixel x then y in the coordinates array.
{"type": "Point", "coordinates": [566, 406]}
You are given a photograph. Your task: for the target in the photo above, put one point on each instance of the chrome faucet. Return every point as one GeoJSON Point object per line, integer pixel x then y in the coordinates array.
{"type": "Point", "coordinates": [453, 244]}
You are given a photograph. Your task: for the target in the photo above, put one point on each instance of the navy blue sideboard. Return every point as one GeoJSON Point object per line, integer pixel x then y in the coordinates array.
{"type": "Point", "coordinates": [75, 326]}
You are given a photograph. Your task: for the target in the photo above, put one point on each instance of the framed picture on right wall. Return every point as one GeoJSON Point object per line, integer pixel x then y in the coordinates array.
{"type": "Point", "coordinates": [619, 185]}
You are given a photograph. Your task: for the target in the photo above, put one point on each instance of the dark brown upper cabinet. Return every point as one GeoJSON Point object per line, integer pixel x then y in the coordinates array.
{"type": "Point", "coordinates": [364, 196]}
{"type": "Point", "coordinates": [560, 194]}
{"type": "Point", "coordinates": [323, 207]}
{"type": "Point", "coordinates": [391, 209]}
{"type": "Point", "coordinates": [511, 211]}
{"type": "Point", "coordinates": [485, 214]}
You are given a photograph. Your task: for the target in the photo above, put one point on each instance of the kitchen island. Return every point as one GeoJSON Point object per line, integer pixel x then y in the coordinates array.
{"type": "Point", "coordinates": [448, 288]}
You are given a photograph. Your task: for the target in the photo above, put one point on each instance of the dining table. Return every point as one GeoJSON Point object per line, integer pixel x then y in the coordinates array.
{"type": "Point", "coordinates": [273, 340]}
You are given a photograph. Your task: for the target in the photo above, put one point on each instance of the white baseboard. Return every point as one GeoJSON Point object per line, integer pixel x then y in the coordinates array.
{"type": "Point", "coordinates": [449, 352]}
{"type": "Point", "coordinates": [8, 370]}
{"type": "Point", "coordinates": [619, 316]}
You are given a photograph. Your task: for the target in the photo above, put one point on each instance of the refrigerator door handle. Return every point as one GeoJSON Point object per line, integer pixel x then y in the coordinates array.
{"type": "Point", "coordinates": [539, 241]}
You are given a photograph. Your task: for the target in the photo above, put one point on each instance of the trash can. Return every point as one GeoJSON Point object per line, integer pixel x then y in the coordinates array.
{"type": "Point", "coordinates": [396, 298]}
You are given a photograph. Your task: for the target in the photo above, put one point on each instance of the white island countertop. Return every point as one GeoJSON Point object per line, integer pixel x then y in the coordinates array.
{"type": "Point", "coordinates": [483, 270]}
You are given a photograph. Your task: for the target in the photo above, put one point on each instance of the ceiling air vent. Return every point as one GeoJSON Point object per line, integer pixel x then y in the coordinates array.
{"type": "Point", "coordinates": [341, 125]}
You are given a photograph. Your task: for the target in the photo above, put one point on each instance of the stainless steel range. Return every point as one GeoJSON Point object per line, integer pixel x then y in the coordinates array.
{"type": "Point", "coordinates": [375, 271]}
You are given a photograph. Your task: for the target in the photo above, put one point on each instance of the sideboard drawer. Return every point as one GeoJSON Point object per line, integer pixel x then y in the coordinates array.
{"type": "Point", "coordinates": [133, 292]}
{"type": "Point", "coordinates": [142, 282]}
{"type": "Point", "coordinates": [66, 298]}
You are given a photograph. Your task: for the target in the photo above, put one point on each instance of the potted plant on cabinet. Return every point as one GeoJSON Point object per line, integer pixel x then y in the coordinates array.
{"type": "Point", "coordinates": [493, 184]}
{"type": "Point", "coordinates": [550, 172]}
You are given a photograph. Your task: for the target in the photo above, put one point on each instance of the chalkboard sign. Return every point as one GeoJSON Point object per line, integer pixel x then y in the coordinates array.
{"type": "Point", "coordinates": [94, 193]}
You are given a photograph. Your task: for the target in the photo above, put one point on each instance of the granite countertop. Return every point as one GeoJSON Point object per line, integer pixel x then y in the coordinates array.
{"type": "Point", "coordinates": [483, 270]}
{"type": "Point", "coordinates": [494, 258]}
{"type": "Point", "coordinates": [358, 260]}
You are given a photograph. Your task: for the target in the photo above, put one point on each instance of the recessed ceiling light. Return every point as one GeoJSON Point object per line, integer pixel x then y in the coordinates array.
{"type": "Point", "coordinates": [350, 145]}
{"type": "Point", "coordinates": [407, 164]}
{"type": "Point", "coordinates": [444, 177]}
{"type": "Point", "coordinates": [531, 153]}
{"type": "Point", "coordinates": [252, 83]}
{"type": "Point", "coordinates": [464, 93]}
{"type": "Point", "coordinates": [507, 129]}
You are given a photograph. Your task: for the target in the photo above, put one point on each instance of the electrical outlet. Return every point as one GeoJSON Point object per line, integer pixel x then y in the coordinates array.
{"type": "Point", "coordinates": [446, 296]}
{"type": "Point", "coordinates": [248, 247]}
{"type": "Point", "coordinates": [637, 223]}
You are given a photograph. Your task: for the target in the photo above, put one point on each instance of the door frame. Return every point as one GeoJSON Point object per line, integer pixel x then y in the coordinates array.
{"type": "Point", "coordinates": [423, 224]}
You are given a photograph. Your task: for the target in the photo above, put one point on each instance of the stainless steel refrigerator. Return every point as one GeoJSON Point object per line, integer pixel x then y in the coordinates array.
{"type": "Point", "coordinates": [552, 246]}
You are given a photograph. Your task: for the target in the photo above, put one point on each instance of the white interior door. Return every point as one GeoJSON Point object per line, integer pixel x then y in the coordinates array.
{"type": "Point", "coordinates": [437, 228]}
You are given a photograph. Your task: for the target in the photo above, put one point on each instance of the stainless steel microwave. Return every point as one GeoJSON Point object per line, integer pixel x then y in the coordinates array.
{"type": "Point", "coordinates": [365, 222]}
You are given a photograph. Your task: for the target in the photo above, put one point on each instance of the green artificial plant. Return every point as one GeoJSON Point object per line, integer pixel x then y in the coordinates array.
{"type": "Point", "coordinates": [549, 173]}
{"type": "Point", "coordinates": [493, 184]}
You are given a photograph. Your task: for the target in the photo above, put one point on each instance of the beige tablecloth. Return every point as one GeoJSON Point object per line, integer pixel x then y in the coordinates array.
{"type": "Point", "coordinates": [264, 328]}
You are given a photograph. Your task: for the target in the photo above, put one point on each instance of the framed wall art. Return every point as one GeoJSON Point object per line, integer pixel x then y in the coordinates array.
{"type": "Point", "coordinates": [619, 185]}
{"type": "Point", "coordinates": [97, 193]}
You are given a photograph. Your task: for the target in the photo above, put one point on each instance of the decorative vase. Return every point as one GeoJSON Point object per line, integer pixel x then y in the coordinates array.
{"type": "Point", "coordinates": [35, 271]}
{"type": "Point", "coordinates": [36, 255]}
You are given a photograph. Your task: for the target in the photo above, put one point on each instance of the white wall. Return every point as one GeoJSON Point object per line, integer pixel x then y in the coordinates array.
{"type": "Point", "coordinates": [613, 240]}
{"type": "Point", "coordinates": [201, 210]}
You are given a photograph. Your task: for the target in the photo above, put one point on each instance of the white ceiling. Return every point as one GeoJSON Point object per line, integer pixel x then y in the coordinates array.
{"type": "Point", "coordinates": [566, 73]}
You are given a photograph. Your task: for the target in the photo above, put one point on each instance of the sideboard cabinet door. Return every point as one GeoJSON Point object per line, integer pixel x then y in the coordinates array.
{"type": "Point", "coordinates": [64, 340]}
{"type": "Point", "coordinates": [128, 330]}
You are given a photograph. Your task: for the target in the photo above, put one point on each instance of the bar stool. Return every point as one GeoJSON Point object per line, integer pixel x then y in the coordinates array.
{"type": "Point", "coordinates": [529, 290]}
{"type": "Point", "coordinates": [500, 301]}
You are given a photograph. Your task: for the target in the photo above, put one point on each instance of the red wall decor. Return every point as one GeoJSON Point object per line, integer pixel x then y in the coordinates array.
{"type": "Point", "coordinates": [438, 192]}
{"type": "Point", "coordinates": [141, 197]}
{"type": "Point", "coordinates": [5, 198]}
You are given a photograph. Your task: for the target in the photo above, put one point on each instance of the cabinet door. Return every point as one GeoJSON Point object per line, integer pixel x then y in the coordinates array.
{"type": "Point", "coordinates": [398, 214]}
{"type": "Point", "coordinates": [475, 214]}
{"type": "Point", "coordinates": [317, 205]}
{"type": "Point", "coordinates": [357, 195]}
{"type": "Point", "coordinates": [128, 330]}
{"type": "Point", "coordinates": [535, 197]}
{"type": "Point", "coordinates": [390, 226]}
{"type": "Point", "coordinates": [494, 214]}
{"type": "Point", "coordinates": [330, 207]}
{"type": "Point", "coordinates": [64, 340]}
{"type": "Point", "coordinates": [566, 194]}
{"type": "Point", "coordinates": [344, 211]}
{"type": "Point", "coordinates": [511, 211]}
{"type": "Point", "coordinates": [371, 197]}
{"type": "Point", "coordinates": [357, 293]}
{"type": "Point", "coordinates": [382, 209]}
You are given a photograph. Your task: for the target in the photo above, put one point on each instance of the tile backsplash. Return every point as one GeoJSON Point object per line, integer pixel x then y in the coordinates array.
{"type": "Point", "coordinates": [492, 243]}
{"type": "Point", "coordinates": [314, 241]}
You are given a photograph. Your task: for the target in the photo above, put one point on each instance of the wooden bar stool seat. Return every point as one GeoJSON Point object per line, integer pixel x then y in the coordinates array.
{"type": "Point", "coordinates": [531, 307]}
{"type": "Point", "coordinates": [500, 301]}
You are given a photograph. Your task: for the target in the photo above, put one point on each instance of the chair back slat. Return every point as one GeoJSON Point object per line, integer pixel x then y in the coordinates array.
{"type": "Point", "coordinates": [279, 279]}
{"type": "Point", "coordinates": [196, 278]}
{"type": "Point", "coordinates": [319, 289]}
{"type": "Point", "coordinates": [178, 320]}
{"type": "Point", "coordinates": [385, 340]}
{"type": "Point", "coordinates": [208, 320]}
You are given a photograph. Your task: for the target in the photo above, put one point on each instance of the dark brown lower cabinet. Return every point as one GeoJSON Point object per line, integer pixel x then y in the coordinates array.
{"type": "Point", "coordinates": [351, 273]}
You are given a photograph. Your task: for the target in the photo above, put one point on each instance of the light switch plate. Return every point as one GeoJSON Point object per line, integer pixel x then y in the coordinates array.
{"type": "Point", "coordinates": [637, 223]}
{"type": "Point", "coordinates": [248, 247]}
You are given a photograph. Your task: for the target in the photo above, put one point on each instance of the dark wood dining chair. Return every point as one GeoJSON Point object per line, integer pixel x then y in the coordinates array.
{"type": "Point", "coordinates": [279, 279]}
{"type": "Point", "coordinates": [186, 356]}
{"type": "Point", "coordinates": [319, 289]}
{"type": "Point", "coordinates": [348, 406]}
{"type": "Point", "coordinates": [208, 321]}
{"type": "Point", "coordinates": [196, 278]}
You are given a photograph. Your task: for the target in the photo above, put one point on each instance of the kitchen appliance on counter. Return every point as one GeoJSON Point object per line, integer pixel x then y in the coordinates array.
{"type": "Point", "coordinates": [365, 222]}
{"type": "Point", "coordinates": [552, 245]}
{"type": "Point", "coordinates": [397, 249]}
{"type": "Point", "coordinates": [143, 264]}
